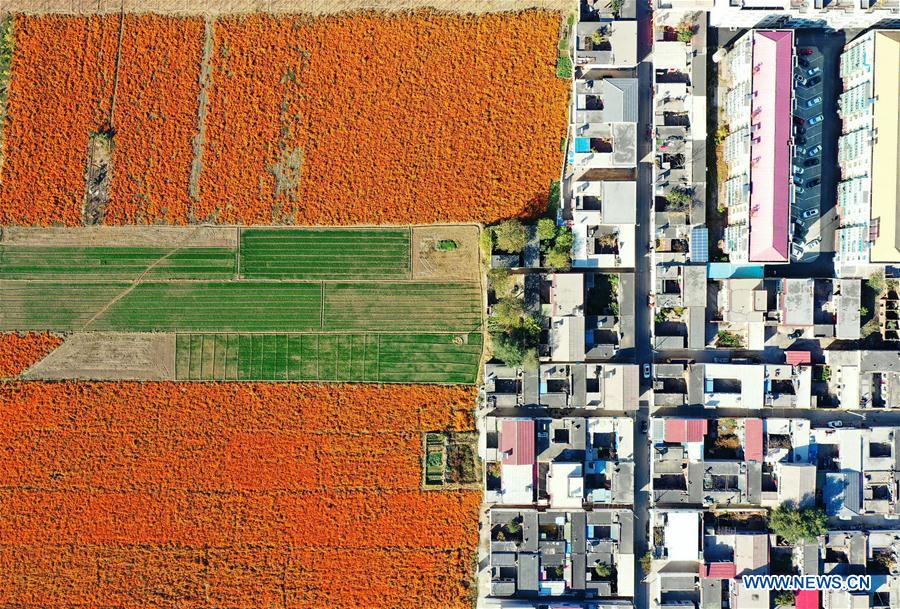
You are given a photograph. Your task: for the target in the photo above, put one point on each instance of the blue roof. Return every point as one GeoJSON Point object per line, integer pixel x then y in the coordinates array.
{"type": "Point", "coordinates": [699, 244]}
{"type": "Point", "coordinates": [726, 270]}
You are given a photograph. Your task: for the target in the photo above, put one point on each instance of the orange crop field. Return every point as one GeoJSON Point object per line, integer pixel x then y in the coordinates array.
{"type": "Point", "coordinates": [135, 494]}
{"type": "Point", "coordinates": [351, 119]}
{"type": "Point", "coordinates": [155, 119]}
{"type": "Point", "coordinates": [60, 93]}
{"type": "Point", "coordinates": [20, 351]}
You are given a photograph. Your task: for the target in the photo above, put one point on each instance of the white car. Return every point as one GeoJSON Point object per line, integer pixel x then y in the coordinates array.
{"type": "Point", "coordinates": [646, 371]}
{"type": "Point", "coordinates": [835, 424]}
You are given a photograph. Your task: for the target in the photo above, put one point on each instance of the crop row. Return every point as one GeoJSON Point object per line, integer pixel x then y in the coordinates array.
{"type": "Point", "coordinates": [304, 125]}
{"type": "Point", "coordinates": [410, 358]}
{"type": "Point", "coordinates": [325, 254]}
{"type": "Point", "coordinates": [79, 263]}
{"type": "Point", "coordinates": [239, 306]}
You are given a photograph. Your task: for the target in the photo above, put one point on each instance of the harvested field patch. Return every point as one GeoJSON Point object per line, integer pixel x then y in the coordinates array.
{"type": "Point", "coordinates": [325, 254]}
{"type": "Point", "coordinates": [237, 493]}
{"type": "Point", "coordinates": [120, 236]}
{"type": "Point", "coordinates": [19, 351]}
{"type": "Point", "coordinates": [430, 261]}
{"type": "Point", "coordinates": [101, 356]}
{"type": "Point", "coordinates": [362, 357]}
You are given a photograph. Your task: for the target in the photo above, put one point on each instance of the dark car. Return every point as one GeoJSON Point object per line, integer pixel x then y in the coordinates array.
{"type": "Point", "coordinates": [804, 63]}
{"type": "Point", "coordinates": [813, 182]}
{"type": "Point", "coordinates": [811, 82]}
{"type": "Point", "coordinates": [644, 427]}
{"type": "Point", "coordinates": [799, 140]}
{"type": "Point", "coordinates": [811, 162]}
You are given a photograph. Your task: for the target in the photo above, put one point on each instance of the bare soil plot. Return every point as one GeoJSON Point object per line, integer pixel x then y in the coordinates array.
{"type": "Point", "coordinates": [435, 257]}
{"type": "Point", "coordinates": [94, 356]}
{"type": "Point", "coordinates": [121, 236]}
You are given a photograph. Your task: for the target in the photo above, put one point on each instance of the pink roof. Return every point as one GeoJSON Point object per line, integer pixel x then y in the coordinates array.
{"type": "Point", "coordinates": [517, 442]}
{"type": "Point", "coordinates": [718, 570]}
{"type": "Point", "coordinates": [753, 440]}
{"type": "Point", "coordinates": [795, 358]}
{"type": "Point", "coordinates": [806, 599]}
{"type": "Point", "coordinates": [770, 150]}
{"type": "Point", "coordinates": [685, 430]}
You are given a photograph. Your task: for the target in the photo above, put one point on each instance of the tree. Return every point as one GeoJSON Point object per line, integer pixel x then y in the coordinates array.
{"type": "Point", "coordinates": [502, 282]}
{"type": "Point", "coordinates": [509, 312]}
{"type": "Point", "coordinates": [564, 238]}
{"type": "Point", "coordinates": [558, 260]}
{"type": "Point", "coordinates": [646, 563]}
{"type": "Point", "coordinates": [511, 236]}
{"type": "Point", "coordinates": [785, 598]}
{"type": "Point", "coordinates": [876, 282]}
{"type": "Point", "coordinates": [512, 351]}
{"type": "Point", "coordinates": [679, 198]}
{"type": "Point", "coordinates": [797, 524]}
{"type": "Point", "coordinates": [486, 241]}
{"type": "Point", "coordinates": [546, 229]}
{"type": "Point", "coordinates": [728, 339]}
{"type": "Point", "coordinates": [602, 569]}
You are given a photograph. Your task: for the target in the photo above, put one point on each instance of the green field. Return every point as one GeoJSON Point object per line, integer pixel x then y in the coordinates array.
{"type": "Point", "coordinates": [325, 254]}
{"type": "Point", "coordinates": [291, 304]}
{"type": "Point", "coordinates": [386, 358]}
{"type": "Point", "coordinates": [80, 263]}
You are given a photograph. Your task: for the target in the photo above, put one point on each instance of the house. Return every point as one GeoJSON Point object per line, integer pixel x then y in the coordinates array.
{"type": "Point", "coordinates": [676, 555]}
{"type": "Point", "coordinates": [606, 43]}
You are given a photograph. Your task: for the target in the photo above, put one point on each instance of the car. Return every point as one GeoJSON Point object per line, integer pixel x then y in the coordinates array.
{"type": "Point", "coordinates": [805, 51]}
{"type": "Point", "coordinates": [814, 101]}
{"type": "Point", "coordinates": [798, 171]}
{"type": "Point", "coordinates": [813, 151]}
{"type": "Point", "coordinates": [798, 190]}
{"type": "Point", "coordinates": [810, 82]}
{"type": "Point", "coordinates": [799, 140]}
{"type": "Point", "coordinates": [810, 213]}
{"type": "Point", "coordinates": [815, 242]}
{"type": "Point", "coordinates": [813, 183]}
{"type": "Point", "coordinates": [813, 71]}
{"type": "Point", "coordinates": [804, 63]}
{"type": "Point", "coordinates": [796, 334]}
{"type": "Point", "coordinates": [798, 181]}
{"type": "Point", "coordinates": [818, 118]}
{"type": "Point", "coordinates": [810, 162]}
{"type": "Point", "coordinates": [644, 426]}
{"type": "Point", "coordinates": [796, 251]}
{"type": "Point", "coordinates": [835, 424]}
{"type": "Point", "coordinates": [646, 369]}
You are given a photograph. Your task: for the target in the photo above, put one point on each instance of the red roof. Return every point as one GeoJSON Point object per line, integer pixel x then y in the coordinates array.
{"type": "Point", "coordinates": [685, 430]}
{"type": "Point", "coordinates": [795, 358]}
{"type": "Point", "coordinates": [718, 570]}
{"type": "Point", "coordinates": [517, 442]}
{"type": "Point", "coordinates": [807, 599]}
{"type": "Point", "coordinates": [753, 440]}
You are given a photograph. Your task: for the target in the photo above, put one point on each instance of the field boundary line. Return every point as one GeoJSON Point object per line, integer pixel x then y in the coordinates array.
{"type": "Point", "coordinates": [137, 281]}
{"type": "Point", "coordinates": [322, 306]}
{"type": "Point", "coordinates": [409, 263]}
{"type": "Point", "coordinates": [237, 256]}
{"type": "Point", "coordinates": [115, 90]}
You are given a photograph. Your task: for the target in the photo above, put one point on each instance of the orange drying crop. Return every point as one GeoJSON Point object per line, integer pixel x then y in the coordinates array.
{"type": "Point", "coordinates": [382, 118]}
{"type": "Point", "coordinates": [155, 119]}
{"type": "Point", "coordinates": [60, 92]}
{"type": "Point", "coordinates": [20, 351]}
{"type": "Point", "coordinates": [229, 495]}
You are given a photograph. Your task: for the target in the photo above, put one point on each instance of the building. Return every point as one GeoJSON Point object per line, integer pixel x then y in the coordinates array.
{"type": "Point", "coordinates": [788, 13]}
{"type": "Point", "coordinates": [606, 43]}
{"type": "Point", "coordinates": [758, 151]}
{"type": "Point", "coordinates": [573, 554]}
{"type": "Point", "coordinates": [869, 151]}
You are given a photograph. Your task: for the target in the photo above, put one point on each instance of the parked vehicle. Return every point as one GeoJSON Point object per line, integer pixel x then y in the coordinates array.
{"type": "Point", "coordinates": [810, 82]}
{"type": "Point", "coordinates": [835, 424]}
{"type": "Point", "coordinates": [810, 213]}
{"type": "Point", "coordinates": [815, 242]}
{"type": "Point", "coordinates": [798, 171]}
{"type": "Point", "coordinates": [646, 371]}
{"type": "Point", "coordinates": [798, 181]}
{"type": "Point", "coordinates": [818, 118]}
{"type": "Point", "coordinates": [813, 151]}
{"type": "Point", "coordinates": [813, 183]}
{"type": "Point", "coordinates": [804, 63]}
{"type": "Point", "coordinates": [799, 140]}
{"type": "Point", "coordinates": [644, 426]}
{"type": "Point", "coordinates": [813, 71]}
{"type": "Point", "coordinates": [805, 51]}
{"type": "Point", "coordinates": [814, 101]}
{"type": "Point", "coordinates": [811, 162]}
{"type": "Point", "coordinates": [796, 250]}
{"type": "Point", "coordinates": [796, 334]}
{"type": "Point", "coordinates": [798, 190]}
